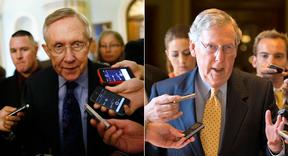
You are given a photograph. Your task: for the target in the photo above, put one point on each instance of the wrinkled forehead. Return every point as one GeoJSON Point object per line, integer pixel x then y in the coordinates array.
{"type": "Point", "coordinates": [216, 33]}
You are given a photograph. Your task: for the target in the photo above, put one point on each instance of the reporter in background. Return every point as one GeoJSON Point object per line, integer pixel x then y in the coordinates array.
{"type": "Point", "coordinates": [23, 51]}
{"type": "Point", "coordinates": [270, 47]}
{"type": "Point", "coordinates": [179, 59]}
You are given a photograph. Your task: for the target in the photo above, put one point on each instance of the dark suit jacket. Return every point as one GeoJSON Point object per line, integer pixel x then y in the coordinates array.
{"type": "Point", "coordinates": [248, 97]}
{"type": "Point", "coordinates": [42, 119]}
{"type": "Point", "coordinates": [10, 95]}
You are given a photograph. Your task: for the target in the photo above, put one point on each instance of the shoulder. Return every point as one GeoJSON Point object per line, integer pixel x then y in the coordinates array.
{"type": "Point", "coordinates": [42, 77]}
{"type": "Point", "coordinates": [8, 82]}
{"type": "Point", "coordinates": [251, 80]}
{"type": "Point", "coordinates": [171, 85]}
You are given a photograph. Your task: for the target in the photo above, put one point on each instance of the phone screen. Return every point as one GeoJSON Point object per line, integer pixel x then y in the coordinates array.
{"type": "Point", "coordinates": [193, 130]}
{"type": "Point", "coordinates": [114, 75]}
{"type": "Point", "coordinates": [109, 99]}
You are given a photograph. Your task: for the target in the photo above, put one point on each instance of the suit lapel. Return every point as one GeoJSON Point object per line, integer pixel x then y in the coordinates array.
{"type": "Point", "coordinates": [52, 107]}
{"type": "Point", "coordinates": [236, 109]}
{"type": "Point", "coordinates": [187, 86]}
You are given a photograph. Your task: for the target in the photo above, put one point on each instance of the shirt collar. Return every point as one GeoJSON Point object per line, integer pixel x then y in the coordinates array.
{"type": "Point", "coordinates": [81, 81]}
{"type": "Point", "coordinates": [205, 87]}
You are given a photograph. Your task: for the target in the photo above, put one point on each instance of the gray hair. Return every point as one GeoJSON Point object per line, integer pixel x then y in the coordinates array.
{"type": "Point", "coordinates": [209, 18]}
{"type": "Point", "coordinates": [272, 34]}
{"type": "Point", "coordinates": [63, 13]}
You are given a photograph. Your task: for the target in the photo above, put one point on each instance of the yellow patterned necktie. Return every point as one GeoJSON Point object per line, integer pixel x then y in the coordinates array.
{"type": "Point", "coordinates": [210, 135]}
{"type": "Point", "coordinates": [279, 97]}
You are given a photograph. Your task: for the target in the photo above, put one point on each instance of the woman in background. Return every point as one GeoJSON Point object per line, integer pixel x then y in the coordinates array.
{"type": "Point", "coordinates": [111, 47]}
{"type": "Point", "coordinates": [179, 59]}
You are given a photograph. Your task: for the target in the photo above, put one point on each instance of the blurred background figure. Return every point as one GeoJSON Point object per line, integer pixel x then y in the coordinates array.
{"type": "Point", "coordinates": [179, 59]}
{"type": "Point", "coordinates": [111, 47]}
{"type": "Point", "coordinates": [93, 51]}
{"type": "Point", "coordinates": [134, 51]}
{"type": "Point", "coordinates": [2, 73]}
{"type": "Point", "coordinates": [270, 47]}
{"type": "Point", "coordinates": [23, 51]}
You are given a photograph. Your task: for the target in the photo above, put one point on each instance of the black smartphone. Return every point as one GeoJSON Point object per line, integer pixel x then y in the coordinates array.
{"type": "Point", "coordinates": [114, 76]}
{"type": "Point", "coordinates": [109, 100]}
{"type": "Point", "coordinates": [193, 130]}
{"type": "Point", "coordinates": [279, 69]}
{"type": "Point", "coordinates": [21, 109]}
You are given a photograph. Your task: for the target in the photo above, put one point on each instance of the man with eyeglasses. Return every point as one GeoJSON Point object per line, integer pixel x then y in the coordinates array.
{"type": "Point", "coordinates": [239, 122]}
{"type": "Point", "coordinates": [57, 123]}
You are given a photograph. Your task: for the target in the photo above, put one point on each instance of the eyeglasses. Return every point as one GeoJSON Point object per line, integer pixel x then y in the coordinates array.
{"type": "Point", "coordinates": [76, 47]}
{"type": "Point", "coordinates": [110, 46]}
{"type": "Point", "coordinates": [212, 48]}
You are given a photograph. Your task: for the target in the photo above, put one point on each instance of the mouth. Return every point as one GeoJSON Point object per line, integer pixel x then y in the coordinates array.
{"type": "Point", "coordinates": [218, 70]}
{"type": "Point", "coordinates": [69, 69]}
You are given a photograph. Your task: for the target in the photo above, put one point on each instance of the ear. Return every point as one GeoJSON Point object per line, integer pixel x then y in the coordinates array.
{"type": "Point", "coordinates": [36, 49]}
{"type": "Point", "coordinates": [166, 52]}
{"type": "Point", "coordinates": [192, 48]}
{"type": "Point", "coordinates": [46, 49]}
{"type": "Point", "coordinates": [254, 60]}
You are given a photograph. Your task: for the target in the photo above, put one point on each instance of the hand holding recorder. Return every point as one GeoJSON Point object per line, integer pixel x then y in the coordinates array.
{"type": "Point", "coordinates": [274, 72]}
{"type": "Point", "coordinates": [164, 135]}
{"type": "Point", "coordinates": [9, 117]}
{"type": "Point", "coordinates": [125, 135]}
{"type": "Point", "coordinates": [165, 107]}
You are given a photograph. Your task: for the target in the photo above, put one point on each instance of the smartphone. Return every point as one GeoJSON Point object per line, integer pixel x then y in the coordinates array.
{"type": "Point", "coordinates": [283, 134]}
{"type": "Point", "coordinates": [185, 97]}
{"type": "Point", "coordinates": [109, 100]}
{"type": "Point", "coordinates": [93, 113]}
{"type": "Point", "coordinates": [21, 109]}
{"type": "Point", "coordinates": [193, 130]}
{"type": "Point", "coordinates": [279, 69]}
{"type": "Point", "coordinates": [114, 76]}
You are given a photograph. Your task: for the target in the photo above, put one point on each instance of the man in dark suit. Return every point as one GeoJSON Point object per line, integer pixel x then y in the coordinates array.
{"type": "Point", "coordinates": [57, 122]}
{"type": "Point", "coordinates": [23, 51]}
{"type": "Point", "coordinates": [244, 99]}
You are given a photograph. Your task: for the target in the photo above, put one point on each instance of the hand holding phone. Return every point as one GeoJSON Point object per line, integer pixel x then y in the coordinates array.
{"type": "Point", "coordinates": [278, 68]}
{"type": "Point", "coordinates": [193, 130]}
{"type": "Point", "coordinates": [185, 97]}
{"type": "Point", "coordinates": [114, 76]}
{"type": "Point", "coordinates": [109, 100]}
{"type": "Point", "coordinates": [21, 109]}
{"type": "Point", "coordinates": [93, 113]}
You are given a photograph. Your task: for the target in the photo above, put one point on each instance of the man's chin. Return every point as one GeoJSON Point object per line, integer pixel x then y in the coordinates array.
{"type": "Point", "coordinates": [70, 75]}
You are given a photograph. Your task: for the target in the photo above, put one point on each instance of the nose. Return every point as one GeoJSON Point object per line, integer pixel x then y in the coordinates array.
{"type": "Point", "coordinates": [219, 54]}
{"type": "Point", "coordinates": [69, 55]}
{"type": "Point", "coordinates": [181, 59]}
{"type": "Point", "coordinates": [271, 60]}
{"type": "Point", "coordinates": [19, 54]}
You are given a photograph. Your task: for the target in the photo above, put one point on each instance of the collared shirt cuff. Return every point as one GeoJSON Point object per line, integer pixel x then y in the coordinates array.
{"type": "Point", "coordinates": [282, 153]}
